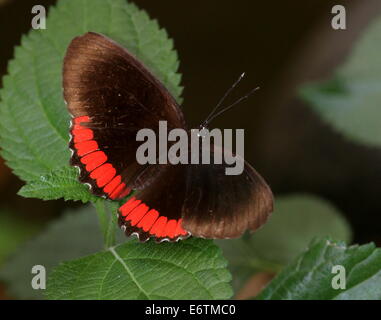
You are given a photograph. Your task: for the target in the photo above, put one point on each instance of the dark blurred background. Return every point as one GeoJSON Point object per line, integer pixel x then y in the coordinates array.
{"type": "Point", "coordinates": [280, 45]}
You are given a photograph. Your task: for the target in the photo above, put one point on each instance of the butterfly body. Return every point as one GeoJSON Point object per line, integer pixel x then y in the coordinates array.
{"type": "Point", "coordinates": [111, 96]}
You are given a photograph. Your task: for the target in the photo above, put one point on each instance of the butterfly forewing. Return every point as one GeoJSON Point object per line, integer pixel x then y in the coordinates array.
{"type": "Point", "coordinates": [110, 96]}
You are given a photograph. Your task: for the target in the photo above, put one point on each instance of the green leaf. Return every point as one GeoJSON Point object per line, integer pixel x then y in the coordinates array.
{"type": "Point", "coordinates": [62, 183]}
{"type": "Point", "coordinates": [310, 275]}
{"type": "Point", "coordinates": [76, 234]}
{"type": "Point", "coordinates": [350, 101]}
{"type": "Point", "coordinates": [295, 222]}
{"type": "Point", "coordinates": [190, 269]}
{"type": "Point", "coordinates": [34, 122]}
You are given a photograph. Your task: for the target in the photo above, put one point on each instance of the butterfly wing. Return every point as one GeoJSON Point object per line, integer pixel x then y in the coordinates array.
{"type": "Point", "coordinates": [156, 210]}
{"type": "Point", "coordinates": [200, 200]}
{"type": "Point", "coordinates": [111, 96]}
{"type": "Point", "coordinates": [225, 206]}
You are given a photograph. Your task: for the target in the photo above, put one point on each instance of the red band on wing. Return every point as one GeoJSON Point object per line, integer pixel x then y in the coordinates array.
{"type": "Point", "coordinates": [148, 220]}
{"type": "Point", "coordinates": [95, 161]}
{"type": "Point", "coordinates": [85, 147]}
{"type": "Point", "coordinates": [129, 206]}
{"type": "Point", "coordinates": [103, 174]}
{"type": "Point", "coordinates": [158, 227]}
{"type": "Point", "coordinates": [170, 228]}
{"type": "Point", "coordinates": [138, 214]}
{"type": "Point", "coordinates": [120, 192]}
{"type": "Point", "coordinates": [82, 119]}
{"type": "Point", "coordinates": [117, 181]}
{"type": "Point", "coordinates": [82, 135]}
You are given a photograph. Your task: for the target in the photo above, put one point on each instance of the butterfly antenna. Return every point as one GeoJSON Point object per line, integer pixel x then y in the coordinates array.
{"type": "Point", "coordinates": [233, 104]}
{"type": "Point", "coordinates": [223, 99]}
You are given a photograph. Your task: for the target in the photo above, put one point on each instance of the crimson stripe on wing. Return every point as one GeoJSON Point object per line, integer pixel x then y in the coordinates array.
{"type": "Point", "coordinates": [137, 216]}
{"type": "Point", "coordinates": [95, 161]}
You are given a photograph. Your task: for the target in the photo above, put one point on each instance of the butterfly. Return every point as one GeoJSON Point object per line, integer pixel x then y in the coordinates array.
{"type": "Point", "coordinates": [110, 96]}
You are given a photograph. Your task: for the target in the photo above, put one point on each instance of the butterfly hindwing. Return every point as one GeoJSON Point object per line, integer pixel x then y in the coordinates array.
{"type": "Point", "coordinates": [199, 200]}
{"type": "Point", "coordinates": [155, 211]}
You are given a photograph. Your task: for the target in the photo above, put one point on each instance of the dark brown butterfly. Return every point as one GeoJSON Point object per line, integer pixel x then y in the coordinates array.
{"type": "Point", "coordinates": [111, 96]}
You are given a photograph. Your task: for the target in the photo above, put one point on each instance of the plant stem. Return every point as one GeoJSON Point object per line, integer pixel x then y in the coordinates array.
{"type": "Point", "coordinates": [106, 222]}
